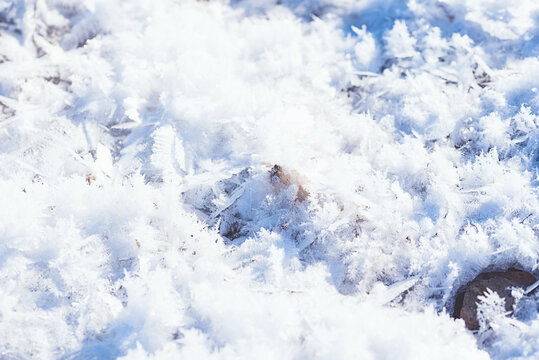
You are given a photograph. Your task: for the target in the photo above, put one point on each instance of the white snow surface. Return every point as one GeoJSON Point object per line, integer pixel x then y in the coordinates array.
{"type": "Point", "coordinates": [139, 219]}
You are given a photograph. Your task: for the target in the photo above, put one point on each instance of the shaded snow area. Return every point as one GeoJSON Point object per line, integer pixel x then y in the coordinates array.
{"type": "Point", "coordinates": [266, 179]}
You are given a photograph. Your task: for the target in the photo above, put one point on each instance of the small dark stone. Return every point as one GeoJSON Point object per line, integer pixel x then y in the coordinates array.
{"type": "Point", "coordinates": [232, 227]}
{"type": "Point", "coordinates": [481, 76]}
{"type": "Point", "coordinates": [500, 282]}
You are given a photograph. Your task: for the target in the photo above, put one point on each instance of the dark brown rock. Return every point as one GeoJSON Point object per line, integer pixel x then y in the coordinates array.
{"type": "Point", "coordinates": [500, 282]}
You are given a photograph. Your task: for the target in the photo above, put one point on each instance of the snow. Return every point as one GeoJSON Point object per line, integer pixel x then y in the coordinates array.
{"type": "Point", "coordinates": [140, 219]}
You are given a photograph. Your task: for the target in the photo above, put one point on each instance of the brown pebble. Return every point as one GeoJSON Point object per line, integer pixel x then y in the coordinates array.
{"type": "Point", "coordinates": [499, 282]}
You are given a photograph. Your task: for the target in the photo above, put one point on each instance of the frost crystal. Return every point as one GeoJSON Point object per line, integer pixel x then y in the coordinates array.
{"type": "Point", "coordinates": [490, 308]}
{"type": "Point", "coordinates": [141, 217]}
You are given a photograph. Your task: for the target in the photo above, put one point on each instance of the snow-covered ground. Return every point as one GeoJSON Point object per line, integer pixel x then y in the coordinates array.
{"type": "Point", "coordinates": [142, 215]}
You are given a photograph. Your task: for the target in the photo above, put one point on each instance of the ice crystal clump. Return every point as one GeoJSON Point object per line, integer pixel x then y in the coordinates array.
{"type": "Point", "coordinates": [140, 217]}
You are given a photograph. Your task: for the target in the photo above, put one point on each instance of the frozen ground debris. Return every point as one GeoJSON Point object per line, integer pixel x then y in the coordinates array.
{"type": "Point", "coordinates": [144, 218]}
